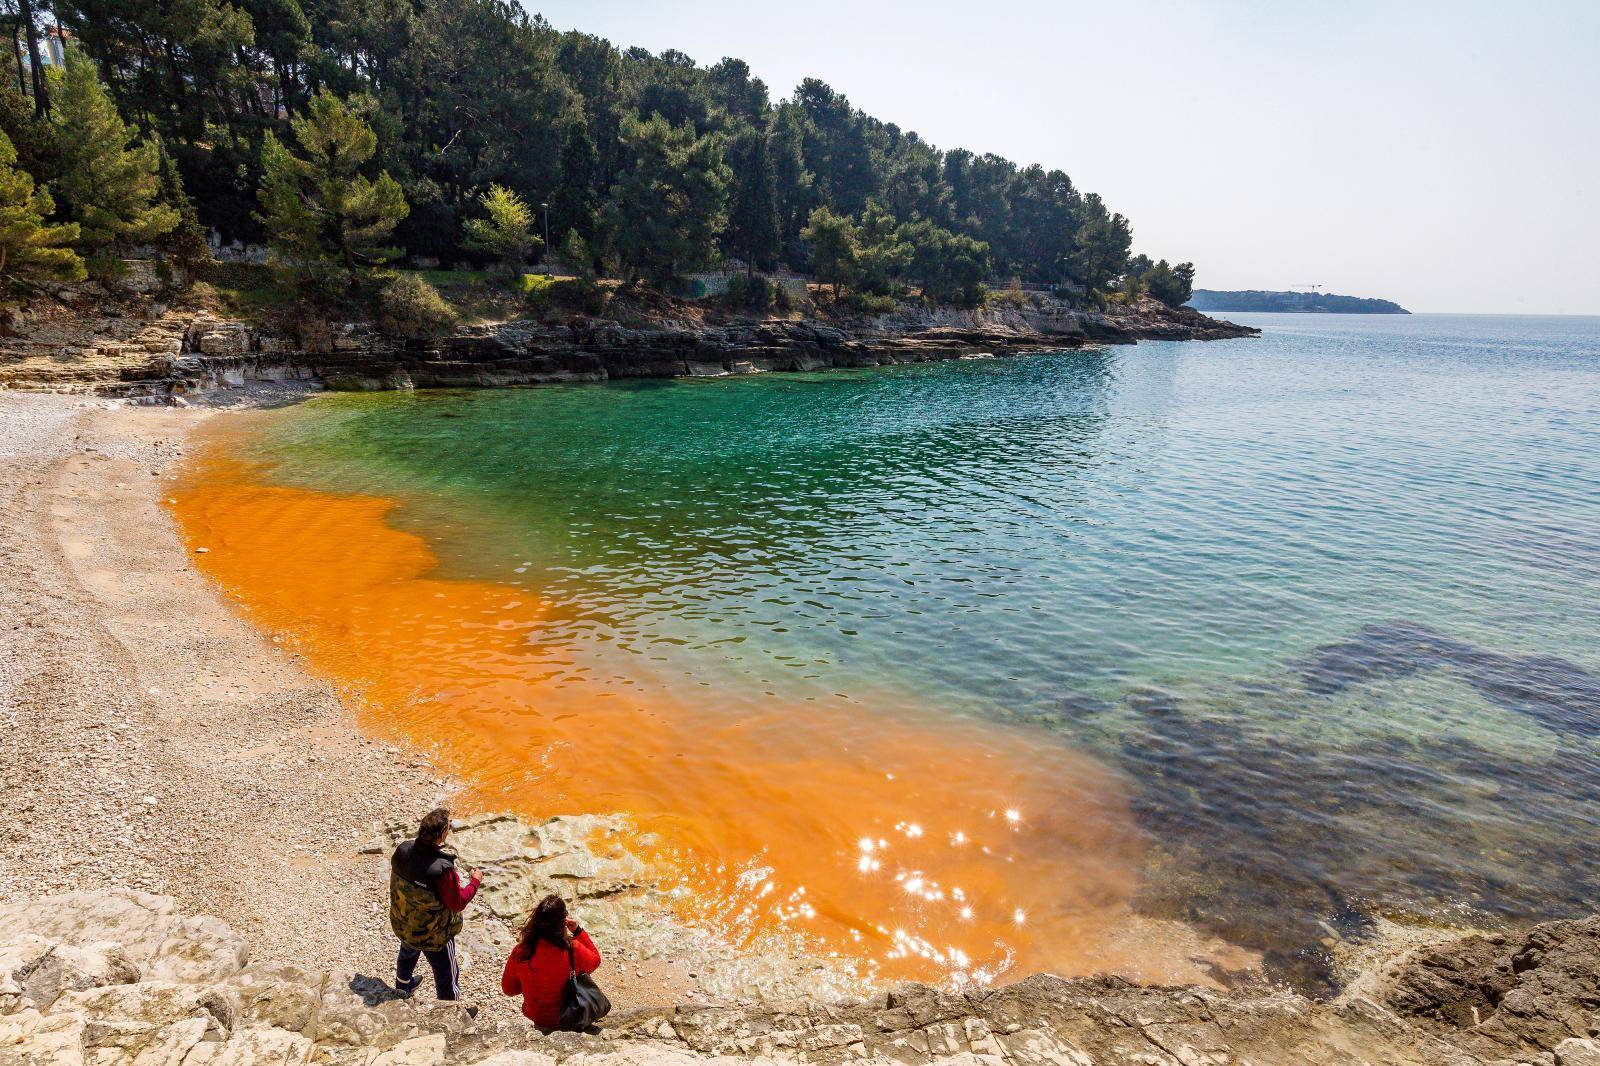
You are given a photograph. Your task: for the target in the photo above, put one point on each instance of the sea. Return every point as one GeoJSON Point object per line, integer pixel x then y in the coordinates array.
{"type": "Point", "coordinates": [966, 669]}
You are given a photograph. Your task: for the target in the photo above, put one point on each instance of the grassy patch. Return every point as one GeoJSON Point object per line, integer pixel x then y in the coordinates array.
{"type": "Point", "coordinates": [243, 290]}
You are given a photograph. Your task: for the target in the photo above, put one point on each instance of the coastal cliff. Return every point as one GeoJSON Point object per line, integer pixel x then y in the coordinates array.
{"type": "Point", "coordinates": [152, 351]}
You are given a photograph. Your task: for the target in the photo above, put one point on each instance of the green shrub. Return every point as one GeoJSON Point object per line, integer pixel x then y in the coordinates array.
{"type": "Point", "coordinates": [409, 308]}
{"type": "Point", "coordinates": [584, 295]}
{"type": "Point", "coordinates": [970, 296]}
{"type": "Point", "coordinates": [543, 294]}
{"type": "Point", "coordinates": [760, 295]}
{"type": "Point", "coordinates": [781, 300]}
{"type": "Point", "coordinates": [868, 303]}
{"type": "Point", "coordinates": [576, 256]}
{"type": "Point", "coordinates": [105, 264]}
{"type": "Point", "coordinates": [1011, 296]}
{"type": "Point", "coordinates": [752, 292]}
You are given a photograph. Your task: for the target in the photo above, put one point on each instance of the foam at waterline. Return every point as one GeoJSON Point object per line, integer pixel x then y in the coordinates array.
{"type": "Point", "coordinates": [929, 845]}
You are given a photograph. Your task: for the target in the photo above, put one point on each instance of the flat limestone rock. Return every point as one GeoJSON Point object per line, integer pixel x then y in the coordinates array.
{"type": "Point", "coordinates": [151, 934]}
{"type": "Point", "coordinates": [124, 979]}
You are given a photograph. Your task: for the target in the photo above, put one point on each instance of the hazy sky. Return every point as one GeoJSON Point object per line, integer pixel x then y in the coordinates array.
{"type": "Point", "coordinates": [1444, 155]}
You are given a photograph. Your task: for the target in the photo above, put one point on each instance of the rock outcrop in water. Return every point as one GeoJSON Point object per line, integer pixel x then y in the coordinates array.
{"type": "Point", "coordinates": [1272, 838]}
{"type": "Point", "coordinates": [123, 979]}
{"type": "Point", "coordinates": [1558, 694]}
{"type": "Point", "coordinates": [1503, 996]}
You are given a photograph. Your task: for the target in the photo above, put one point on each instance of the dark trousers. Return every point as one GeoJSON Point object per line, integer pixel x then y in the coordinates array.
{"type": "Point", "coordinates": [446, 975]}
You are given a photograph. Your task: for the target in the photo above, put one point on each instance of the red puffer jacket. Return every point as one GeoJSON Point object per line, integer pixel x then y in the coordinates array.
{"type": "Point", "coordinates": [539, 978]}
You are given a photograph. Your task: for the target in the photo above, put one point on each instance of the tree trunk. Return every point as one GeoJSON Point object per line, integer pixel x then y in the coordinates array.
{"type": "Point", "coordinates": [41, 96]}
{"type": "Point", "coordinates": [16, 48]}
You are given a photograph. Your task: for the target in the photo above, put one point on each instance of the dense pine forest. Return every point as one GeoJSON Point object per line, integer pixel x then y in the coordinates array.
{"type": "Point", "coordinates": [348, 134]}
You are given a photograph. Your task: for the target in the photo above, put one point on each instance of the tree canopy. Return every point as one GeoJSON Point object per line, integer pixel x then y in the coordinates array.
{"type": "Point", "coordinates": [109, 178]}
{"type": "Point", "coordinates": [30, 248]}
{"type": "Point", "coordinates": [670, 202]}
{"type": "Point", "coordinates": [658, 164]}
{"type": "Point", "coordinates": [324, 218]}
{"type": "Point", "coordinates": [507, 231]}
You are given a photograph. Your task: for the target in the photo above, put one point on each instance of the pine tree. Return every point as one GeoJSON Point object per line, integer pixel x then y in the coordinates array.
{"type": "Point", "coordinates": [574, 204]}
{"type": "Point", "coordinates": [109, 182]}
{"type": "Point", "coordinates": [30, 248]}
{"type": "Point", "coordinates": [1099, 247]}
{"type": "Point", "coordinates": [950, 266]}
{"type": "Point", "coordinates": [753, 211]}
{"type": "Point", "coordinates": [576, 255]}
{"type": "Point", "coordinates": [186, 244]}
{"type": "Point", "coordinates": [507, 234]}
{"type": "Point", "coordinates": [835, 248]}
{"type": "Point", "coordinates": [326, 221]}
{"type": "Point", "coordinates": [666, 211]}
{"type": "Point", "coordinates": [32, 136]}
{"type": "Point", "coordinates": [885, 250]}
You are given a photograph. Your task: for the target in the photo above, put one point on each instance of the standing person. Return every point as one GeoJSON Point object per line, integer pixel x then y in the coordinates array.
{"type": "Point", "coordinates": [539, 964]}
{"type": "Point", "coordinates": [426, 899]}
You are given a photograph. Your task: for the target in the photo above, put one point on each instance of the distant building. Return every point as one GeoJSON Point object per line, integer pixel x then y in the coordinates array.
{"type": "Point", "coordinates": [54, 46]}
{"type": "Point", "coordinates": [53, 41]}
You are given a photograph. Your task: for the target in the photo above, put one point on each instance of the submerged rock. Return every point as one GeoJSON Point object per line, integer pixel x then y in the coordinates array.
{"type": "Point", "coordinates": [1561, 695]}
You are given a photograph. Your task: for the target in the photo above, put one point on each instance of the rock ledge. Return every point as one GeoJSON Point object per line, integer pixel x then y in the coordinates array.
{"type": "Point", "coordinates": [117, 978]}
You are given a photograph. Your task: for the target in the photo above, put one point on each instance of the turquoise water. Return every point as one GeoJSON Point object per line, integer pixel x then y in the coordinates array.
{"type": "Point", "coordinates": [1327, 598]}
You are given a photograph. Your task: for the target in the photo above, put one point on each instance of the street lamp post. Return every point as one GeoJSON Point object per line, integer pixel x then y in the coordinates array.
{"type": "Point", "coordinates": [546, 207]}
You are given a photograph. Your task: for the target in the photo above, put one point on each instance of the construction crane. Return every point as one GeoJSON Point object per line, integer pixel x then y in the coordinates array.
{"type": "Point", "coordinates": [1311, 288]}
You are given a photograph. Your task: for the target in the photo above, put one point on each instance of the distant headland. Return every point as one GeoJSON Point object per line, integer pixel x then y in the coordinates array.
{"type": "Point", "coordinates": [1301, 302]}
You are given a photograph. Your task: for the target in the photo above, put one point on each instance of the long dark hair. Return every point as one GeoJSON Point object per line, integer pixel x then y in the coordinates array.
{"type": "Point", "coordinates": [548, 922]}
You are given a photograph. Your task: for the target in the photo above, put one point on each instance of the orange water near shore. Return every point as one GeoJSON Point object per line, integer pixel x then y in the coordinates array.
{"type": "Point", "coordinates": [924, 844]}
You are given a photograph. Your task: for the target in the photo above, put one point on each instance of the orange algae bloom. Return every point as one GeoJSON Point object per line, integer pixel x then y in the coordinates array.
{"type": "Point", "coordinates": [928, 845]}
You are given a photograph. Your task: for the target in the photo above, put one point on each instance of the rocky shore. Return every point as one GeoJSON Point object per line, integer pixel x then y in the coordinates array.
{"type": "Point", "coordinates": [153, 351]}
{"type": "Point", "coordinates": [121, 977]}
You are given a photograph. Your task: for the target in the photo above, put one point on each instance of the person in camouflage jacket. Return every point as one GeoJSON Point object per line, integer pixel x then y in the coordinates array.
{"type": "Point", "coordinates": [426, 898]}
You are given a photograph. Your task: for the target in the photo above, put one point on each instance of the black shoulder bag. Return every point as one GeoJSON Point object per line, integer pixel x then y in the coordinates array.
{"type": "Point", "coordinates": [582, 1002]}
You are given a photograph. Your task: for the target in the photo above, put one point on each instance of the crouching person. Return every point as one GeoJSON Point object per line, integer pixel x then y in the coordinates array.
{"type": "Point", "coordinates": [552, 951]}
{"type": "Point", "coordinates": [426, 898]}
